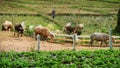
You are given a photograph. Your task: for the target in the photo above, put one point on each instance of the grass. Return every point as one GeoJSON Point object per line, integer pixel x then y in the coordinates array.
{"type": "Point", "coordinates": [30, 20]}
{"type": "Point", "coordinates": [63, 7]}
{"type": "Point", "coordinates": [21, 6]}
{"type": "Point", "coordinates": [91, 23]}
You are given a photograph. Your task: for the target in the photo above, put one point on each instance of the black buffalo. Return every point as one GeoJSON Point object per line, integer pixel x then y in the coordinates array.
{"type": "Point", "coordinates": [69, 29]}
{"type": "Point", "coordinates": [19, 29]}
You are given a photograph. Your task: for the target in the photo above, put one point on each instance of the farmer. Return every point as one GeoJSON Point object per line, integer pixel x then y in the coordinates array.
{"type": "Point", "coordinates": [53, 13]}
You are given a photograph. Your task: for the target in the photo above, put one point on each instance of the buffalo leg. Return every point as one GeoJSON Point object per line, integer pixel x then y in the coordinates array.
{"type": "Point", "coordinates": [35, 36]}
{"type": "Point", "coordinates": [17, 34]}
{"type": "Point", "coordinates": [3, 28]}
{"type": "Point", "coordinates": [21, 35]}
{"type": "Point", "coordinates": [101, 43]}
{"type": "Point", "coordinates": [14, 33]}
{"type": "Point", "coordinates": [51, 38]}
{"type": "Point", "coordinates": [106, 43]}
{"type": "Point", "coordinates": [91, 42]}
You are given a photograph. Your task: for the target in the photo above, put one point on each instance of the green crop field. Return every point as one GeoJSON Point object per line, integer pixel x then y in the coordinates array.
{"type": "Point", "coordinates": [61, 59]}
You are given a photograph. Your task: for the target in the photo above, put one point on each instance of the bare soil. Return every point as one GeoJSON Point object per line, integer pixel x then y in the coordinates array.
{"type": "Point", "coordinates": [8, 42]}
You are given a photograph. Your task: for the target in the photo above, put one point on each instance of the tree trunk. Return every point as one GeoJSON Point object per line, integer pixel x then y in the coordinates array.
{"type": "Point", "coordinates": [117, 28]}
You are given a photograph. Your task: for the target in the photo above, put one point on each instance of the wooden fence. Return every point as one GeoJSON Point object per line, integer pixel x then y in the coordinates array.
{"type": "Point", "coordinates": [83, 39]}
{"type": "Point", "coordinates": [76, 39]}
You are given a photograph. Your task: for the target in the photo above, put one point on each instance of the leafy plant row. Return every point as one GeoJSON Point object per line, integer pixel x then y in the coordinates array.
{"type": "Point", "coordinates": [61, 59]}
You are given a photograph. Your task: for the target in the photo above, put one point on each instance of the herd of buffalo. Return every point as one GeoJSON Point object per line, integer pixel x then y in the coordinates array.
{"type": "Point", "coordinates": [46, 33]}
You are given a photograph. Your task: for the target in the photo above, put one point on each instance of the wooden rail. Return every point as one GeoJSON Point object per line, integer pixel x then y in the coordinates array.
{"type": "Point", "coordinates": [78, 36]}
{"type": "Point", "coordinates": [83, 39]}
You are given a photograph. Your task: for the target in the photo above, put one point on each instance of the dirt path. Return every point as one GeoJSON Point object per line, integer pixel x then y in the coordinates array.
{"type": "Point", "coordinates": [8, 42]}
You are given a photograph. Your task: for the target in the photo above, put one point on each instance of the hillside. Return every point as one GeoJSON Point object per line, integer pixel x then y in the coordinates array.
{"type": "Point", "coordinates": [66, 6]}
{"type": "Point", "coordinates": [88, 12]}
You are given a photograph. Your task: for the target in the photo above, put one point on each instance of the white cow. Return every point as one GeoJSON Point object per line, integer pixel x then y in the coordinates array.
{"type": "Point", "coordinates": [7, 26]}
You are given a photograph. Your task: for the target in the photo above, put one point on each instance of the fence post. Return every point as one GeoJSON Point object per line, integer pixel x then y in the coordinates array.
{"type": "Point", "coordinates": [110, 38]}
{"type": "Point", "coordinates": [38, 42]}
{"type": "Point", "coordinates": [74, 41]}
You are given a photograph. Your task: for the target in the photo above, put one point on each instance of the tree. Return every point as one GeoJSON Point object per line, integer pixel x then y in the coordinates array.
{"type": "Point", "coordinates": [117, 28]}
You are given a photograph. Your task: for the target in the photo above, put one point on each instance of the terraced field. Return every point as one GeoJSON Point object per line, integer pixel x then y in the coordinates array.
{"type": "Point", "coordinates": [88, 12]}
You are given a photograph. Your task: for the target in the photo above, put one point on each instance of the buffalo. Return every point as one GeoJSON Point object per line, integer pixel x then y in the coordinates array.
{"type": "Point", "coordinates": [44, 33]}
{"type": "Point", "coordinates": [69, 29]}
{"type": "Point", "coordinates": [7, 26]}
{"type": "Point", "coordinates": [19, 29]}
{"type": "Point", "coordinates": [102, 37]}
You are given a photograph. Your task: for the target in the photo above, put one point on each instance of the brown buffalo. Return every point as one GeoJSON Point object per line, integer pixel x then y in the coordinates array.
{"type": "Point", "coordinates": [102, 37]}
{"type": "Point", "coordinates": [44, 32]}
